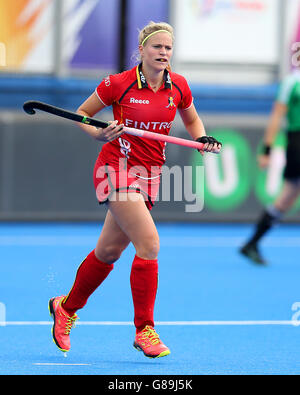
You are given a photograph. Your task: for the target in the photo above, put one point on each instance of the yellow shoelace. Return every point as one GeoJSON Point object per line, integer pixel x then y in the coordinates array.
{"type": "Point", "coordinates": [150, 335]}
{"type": "Point", "coordinates": [70, 324]}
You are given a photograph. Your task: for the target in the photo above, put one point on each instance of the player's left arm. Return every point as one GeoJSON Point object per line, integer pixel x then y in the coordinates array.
{"type": "Point", "coordinates": [196, 130]}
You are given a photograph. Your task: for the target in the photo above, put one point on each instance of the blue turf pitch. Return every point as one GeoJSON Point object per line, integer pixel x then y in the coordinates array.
{"type": "Point", "coordinates": [218, 313]}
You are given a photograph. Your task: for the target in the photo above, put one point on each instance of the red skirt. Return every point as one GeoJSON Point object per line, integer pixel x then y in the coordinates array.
{"type": "Point", "coordinates": [110, 178]}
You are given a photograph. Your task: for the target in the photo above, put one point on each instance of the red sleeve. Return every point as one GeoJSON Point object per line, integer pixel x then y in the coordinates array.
{"type": "Point", "coordinates": [105, 91]}
{"type": "Point", "coordinates": [187, 98]}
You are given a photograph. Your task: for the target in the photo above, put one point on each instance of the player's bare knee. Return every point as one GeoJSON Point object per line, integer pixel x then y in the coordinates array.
{"type": "Point", "coordinates": [109, 254]}
{"type": "Point", "coordinates": [149, 249]}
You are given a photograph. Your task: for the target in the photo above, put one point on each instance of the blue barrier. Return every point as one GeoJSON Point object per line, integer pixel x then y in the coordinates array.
{"type": "Point", "coordinates": [71, 92]}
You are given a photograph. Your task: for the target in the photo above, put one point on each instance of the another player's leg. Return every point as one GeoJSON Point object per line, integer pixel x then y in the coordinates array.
{"type": "Point", "coordinates": [135, 220]}
{"type": "Point", "coordinates": [91, 273]}
{"type": "Point", "coordinates": [269, 218]}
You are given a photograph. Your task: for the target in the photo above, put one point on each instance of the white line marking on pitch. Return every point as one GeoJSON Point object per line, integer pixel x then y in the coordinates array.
{"type": "Point", "coordinates": [170, 323]}
{"type": "Point", "coordinates": [61, 364]}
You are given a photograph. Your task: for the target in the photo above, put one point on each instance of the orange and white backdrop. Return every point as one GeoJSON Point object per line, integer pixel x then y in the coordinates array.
{"type": "Point", "coordinates": [27, 35]}
{"type": "Point", "coordinates": [29, 40]}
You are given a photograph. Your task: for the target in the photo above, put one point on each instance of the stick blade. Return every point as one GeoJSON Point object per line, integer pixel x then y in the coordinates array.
{"type": "Point", "coordinates": [28, 107]}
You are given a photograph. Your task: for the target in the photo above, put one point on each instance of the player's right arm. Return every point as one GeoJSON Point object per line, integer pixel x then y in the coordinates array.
{"type": "Point", "coordinates": [279, 110]}
{"type": "Point", "coordinates": [91, 106]}
{"type": "Point", "coordinates": [273, 126]}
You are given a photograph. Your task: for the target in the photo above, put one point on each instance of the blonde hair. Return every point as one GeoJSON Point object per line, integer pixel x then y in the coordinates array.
{"type": "Point", "coordinates": [147, 31]}
{"type": "Point", "coordinates": [153, 27]}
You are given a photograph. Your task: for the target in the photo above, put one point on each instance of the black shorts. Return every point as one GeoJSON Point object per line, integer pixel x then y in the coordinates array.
{"type": "Point", "coordinates": [292, 167]}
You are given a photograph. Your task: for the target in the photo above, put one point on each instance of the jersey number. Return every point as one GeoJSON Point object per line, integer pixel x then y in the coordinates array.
{"type": "Point", "coordinates": [125, 147]}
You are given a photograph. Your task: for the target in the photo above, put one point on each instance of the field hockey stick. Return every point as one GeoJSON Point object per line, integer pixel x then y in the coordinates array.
{"type": "Point", "coordinates": [31, 106]}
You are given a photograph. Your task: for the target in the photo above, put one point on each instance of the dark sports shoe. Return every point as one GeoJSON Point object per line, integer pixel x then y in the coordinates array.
{"type": "Point", "coordinates": [251, 252]}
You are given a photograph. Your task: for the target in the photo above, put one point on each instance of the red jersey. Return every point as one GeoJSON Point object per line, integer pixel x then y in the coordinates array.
{"type": "Point", "coordinates": [136, 105]}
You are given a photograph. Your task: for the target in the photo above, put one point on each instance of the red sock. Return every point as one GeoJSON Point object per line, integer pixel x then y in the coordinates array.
{"type": "Point", "coordinates": [143, 280]}
{"type": "Point", "coordinates": [90, 274]}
